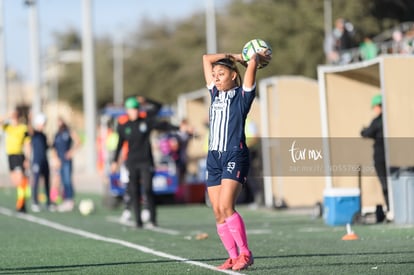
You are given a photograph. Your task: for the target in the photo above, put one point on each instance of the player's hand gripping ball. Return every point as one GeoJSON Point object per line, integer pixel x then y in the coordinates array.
{"type": "Point", "coordinates": [257, 46]}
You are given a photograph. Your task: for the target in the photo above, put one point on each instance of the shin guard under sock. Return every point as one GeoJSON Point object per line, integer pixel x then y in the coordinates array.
{"type": "Point", "coordinates": [227, 240]}
{"type": "Point", "coordinates": [238, 231]}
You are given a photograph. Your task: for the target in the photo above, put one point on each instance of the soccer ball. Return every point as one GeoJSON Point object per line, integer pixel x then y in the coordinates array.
{"type": "Point", "coordinates": [254, 46]}
{"type": "Point", "coordinates": [86, 207]}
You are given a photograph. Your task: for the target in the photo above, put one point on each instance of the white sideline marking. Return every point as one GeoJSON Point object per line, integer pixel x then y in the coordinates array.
{"type": "Point", "coordinates": [132, 224]}
{"type": "Point", "coordinates": [89, 235]}
{"type": "Point", "coordinates": [258, 231]}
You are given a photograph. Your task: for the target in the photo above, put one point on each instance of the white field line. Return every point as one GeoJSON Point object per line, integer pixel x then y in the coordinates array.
{"type": "Point", "coordinates": [93, 236]}
{"type": "Point", "coordinates": [258, 231]}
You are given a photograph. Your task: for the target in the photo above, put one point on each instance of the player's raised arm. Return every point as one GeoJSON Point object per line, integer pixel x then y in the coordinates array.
{"type": "Point", "coordinates": [208, 60]}
{"type": "Point", "coordinates": [250, 74]}
{"type": "Point", "coordinates": [254, 63]}
{"type": "Point", "coordinates": [257, 54]}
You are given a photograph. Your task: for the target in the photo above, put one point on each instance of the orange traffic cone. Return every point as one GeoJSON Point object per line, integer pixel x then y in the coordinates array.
{"type": "Point", "coordinates": [350, 235]}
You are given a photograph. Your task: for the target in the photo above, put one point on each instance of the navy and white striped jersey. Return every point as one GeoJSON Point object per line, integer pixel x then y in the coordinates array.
{"type": "Point", "coordinates": [228, 112]}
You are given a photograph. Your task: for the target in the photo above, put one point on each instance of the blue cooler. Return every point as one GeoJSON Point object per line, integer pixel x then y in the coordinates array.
{"type": "Point", "coordinates": [340, 205]}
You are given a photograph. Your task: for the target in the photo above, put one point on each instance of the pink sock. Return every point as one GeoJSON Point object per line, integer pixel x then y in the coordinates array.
{"type": "Point", "coordinates": [238, 231]}
{"type": "Point", "coordinates": [227, 239]}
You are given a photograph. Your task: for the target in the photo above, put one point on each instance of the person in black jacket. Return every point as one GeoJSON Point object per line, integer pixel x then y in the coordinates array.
{"type": "Point", "coordinates": [140, 164]}
{"type": "Point", "coordinates": [375, 131]}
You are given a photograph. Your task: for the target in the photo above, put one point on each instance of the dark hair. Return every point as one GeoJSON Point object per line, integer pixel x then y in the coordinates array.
{"type": "Point", "coordinates": [231, 64]}
{"type": "Point", "coordinates": [225, 62]}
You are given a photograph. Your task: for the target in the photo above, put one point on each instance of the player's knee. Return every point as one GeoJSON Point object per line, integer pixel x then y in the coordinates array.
{"type": "Point", "coordinates": [218, 215]}
{"type": "Point", "coordinates": [226, 211]}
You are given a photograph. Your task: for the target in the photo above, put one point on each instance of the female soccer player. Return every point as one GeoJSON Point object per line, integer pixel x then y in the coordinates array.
{"type": "Point", "coordinates": [228, 155]}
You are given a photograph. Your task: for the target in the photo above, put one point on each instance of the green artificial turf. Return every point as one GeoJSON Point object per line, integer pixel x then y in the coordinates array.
{"type": "Point", "coordinates": [283, 242]}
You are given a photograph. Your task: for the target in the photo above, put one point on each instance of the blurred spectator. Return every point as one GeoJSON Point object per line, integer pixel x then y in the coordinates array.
{"type": "Point", "coordinates": [105, 145]}
{"type": "Point", "coordinates": [111, 142]}
{"type": "Point", "coordinates": [340, 40]}
{"type": "Point", "coordinates": [397, 41]}
{"type": "Point", "coordinates": [147, 113]}
{"type": "Point", "coordinates": [168, 147]}
{"type": "Point", "coordinates": [409, 36]}
{"type": "Point", "coordinates": [368, 49]}
{"type": "Point", "coordinates": [136, 132]}
{"type": "Point", "coordinates": [40, 163]}
{"type": "Point", "coordinates": [17, 150]}
{"type": "Point", "coordinates": [185, 133]}
{"type": "Point", "coordinates": [375, 132]}
{"type": "Point", "coordinates": [402, 43]}
{"type": "Point", "coordinates": [66, 142]}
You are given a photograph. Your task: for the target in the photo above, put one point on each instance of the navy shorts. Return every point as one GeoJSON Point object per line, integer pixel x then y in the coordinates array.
{"type": "Point", "coordinates": [227, 165]}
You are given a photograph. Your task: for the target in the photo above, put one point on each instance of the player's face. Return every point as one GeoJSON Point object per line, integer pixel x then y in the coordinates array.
{"type": "Point", "coordinates": [377, 110]}
{"type": "Point", "coordinates": [224, 78]}
{"type": "Point", "coordinates": [14, 115]}
{"type": "Point", "coordinates": [132, 114]}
